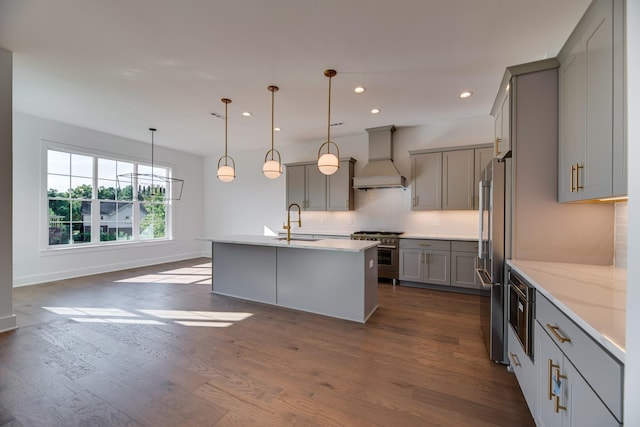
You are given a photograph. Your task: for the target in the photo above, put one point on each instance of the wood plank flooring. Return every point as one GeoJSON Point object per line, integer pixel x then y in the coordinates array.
{"type": "Point", "coordinates": [152, 347]}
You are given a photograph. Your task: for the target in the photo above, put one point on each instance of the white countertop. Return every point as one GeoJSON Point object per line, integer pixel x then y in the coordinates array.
{"type": "Point", "coordinates": [322, 244]}
{"type": "Point", "coordinates": [437, 237]}
{"type": "Point", "coordinates": [593, 296]}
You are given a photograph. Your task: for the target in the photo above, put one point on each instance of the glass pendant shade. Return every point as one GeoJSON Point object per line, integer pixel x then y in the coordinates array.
{"type": "Point", "coordinates": [272, 167]}
{"type": "Point", "coordinates": [329, 163]}
{"type": "Point", "coordinates": [226, 171]}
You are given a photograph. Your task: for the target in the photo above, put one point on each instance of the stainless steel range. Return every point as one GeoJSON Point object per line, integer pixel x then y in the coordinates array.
{"type": "Point", "coordinates": [388, 254]}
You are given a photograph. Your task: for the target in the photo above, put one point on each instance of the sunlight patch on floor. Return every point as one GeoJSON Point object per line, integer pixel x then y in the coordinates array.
{"type": "Point", "coordinates": [197, 274]}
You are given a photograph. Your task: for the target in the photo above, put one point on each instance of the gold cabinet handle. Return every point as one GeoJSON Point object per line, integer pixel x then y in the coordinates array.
{"type": "Point", "coordinates": [550, 374]}
{"type": "Point", "coordinates": [554, 330]}
{"type": "Point", "coordinates": [497, 145]}
{"type": "Point", "coordinates": [559, 407]}
{"type": "Point", "coordinates": [578, 186]}
{"type": "Point", "coordinates": [573, 182]}
{"type": "Point", "coordinates": [514, 359]}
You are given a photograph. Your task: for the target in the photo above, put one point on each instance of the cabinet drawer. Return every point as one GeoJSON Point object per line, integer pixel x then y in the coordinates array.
{"type": "Point", "coordinates": [603, 373]}
{"type": "Point", "coordinates": [524, 369]}
{"type": "Point", "coordinates": [464, 246]}
{"type": "Point", "coordinates": [438, 245]}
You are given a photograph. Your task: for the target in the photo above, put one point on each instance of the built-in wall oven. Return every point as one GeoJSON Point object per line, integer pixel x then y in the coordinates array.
{"type": "Point", "coordinates": [388, 252]}
{"type": "Point", "coordinates": [522, 298]}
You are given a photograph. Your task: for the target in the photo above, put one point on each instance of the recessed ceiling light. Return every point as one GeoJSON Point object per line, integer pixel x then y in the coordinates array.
{"type": "Point", "coordinates": [465, 94]}
{"type": "Point", "coordinates": [247, 113]}
{"type": "Point", "coordinates": [359, 89]}
{"type": "Point", "coordinates": [375, 111]}
{"type": "Point", "coordinates": [276, 129]}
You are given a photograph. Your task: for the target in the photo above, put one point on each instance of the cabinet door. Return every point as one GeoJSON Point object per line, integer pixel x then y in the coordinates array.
{"type": "Point", "coordinates": [437, 265]}
{"type": "Point", "coordinates": [482, 157]}
{"type": "Point", "coordinates": [548, 359]}
{"type": "Point", "coordinates": [458, 179]}
{"type": "Point", "coordinates": [340, 188]}
{"type": "Point", "coordinates": [463, 270]}
{"type": "Point", "coordinates": [504, 143]}
{"type": "Point", "coordinates": [296, 185]}
{"type": "Point", "coordinates": [426, 188]}
{"type": "Point", "coordinates": [411, 265]}
{"type": "Point", "coordinates": [583, 407]}
{"type": "Point", "coordinates": [524, 369]}
{"type": "Point", "coordinates": [316, 189]}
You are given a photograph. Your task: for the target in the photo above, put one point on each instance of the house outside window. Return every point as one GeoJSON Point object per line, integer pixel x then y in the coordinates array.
{"type": "Point", "coordinates": [89, 203]}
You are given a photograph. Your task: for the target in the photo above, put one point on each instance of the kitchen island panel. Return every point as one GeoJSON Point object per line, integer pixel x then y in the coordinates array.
{"type": "Point", "coordinates": [337, 284]}
{"type": "Point", "coordinates": [245, 271]}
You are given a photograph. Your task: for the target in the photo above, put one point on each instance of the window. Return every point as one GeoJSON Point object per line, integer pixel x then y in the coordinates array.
{"type": "Point", "coordinates": [89, 201]}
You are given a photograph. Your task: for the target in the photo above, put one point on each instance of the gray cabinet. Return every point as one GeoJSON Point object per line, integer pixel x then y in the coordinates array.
{"type": "Point", "coordinates": [482, 157]}
{"type": "Point", "coordinates": [314, 191]}
{"type": "Point", "coordinates": [458, 179]}
{"type": "Point", "coordinates": [579, 383]}
{"type": "Point", "coordinates": [592, 148]}
{"type": "Point", "coordinates": [426, 181]}
{"type": "Point", "coordinates": [425, 261]}
{"type": "Point", "coordinates": [446, 179]}
{"type": "Point", "coordinates": [502, 121]}
{"type": "Point", "coordinates": [524, 369]}
{"type": "Point", "coordinates": [464, 258]}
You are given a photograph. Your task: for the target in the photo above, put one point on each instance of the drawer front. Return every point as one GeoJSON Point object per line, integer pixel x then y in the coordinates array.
{"type": "Point", "coordinates": [438, 245]}
{"type": "Point", "coordinates": [603, 372]}
{"type": "Point", "coordinates": [464, 246]}
{"type": "Point", "coordinates": [524, 369]}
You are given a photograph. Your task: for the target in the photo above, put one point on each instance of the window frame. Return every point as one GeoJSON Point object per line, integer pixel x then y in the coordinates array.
{"type": "Point", "coordinates": [95, 242]}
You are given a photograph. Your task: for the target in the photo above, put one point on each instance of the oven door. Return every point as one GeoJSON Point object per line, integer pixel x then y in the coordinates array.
{"type": "Point", "coordinates": [388, 261]}
{"type": "Point", "coordinates": [521, 316]}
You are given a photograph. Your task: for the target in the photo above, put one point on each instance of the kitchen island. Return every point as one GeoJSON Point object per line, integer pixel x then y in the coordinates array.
{"type": "Point", "coordinates": [332, 277]}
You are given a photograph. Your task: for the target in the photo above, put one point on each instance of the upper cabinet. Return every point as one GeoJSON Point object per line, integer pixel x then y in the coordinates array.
{"type": "Point", "coordinates": [592, 147]}
{"type": "Point", "coordinates": [501, 112]}
{"type": "Point", "coordinates": [314, 191]}
{"type": "Point", "coordinates": [447, 179]}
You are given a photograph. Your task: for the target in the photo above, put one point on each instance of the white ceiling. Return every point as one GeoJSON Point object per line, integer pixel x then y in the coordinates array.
{"type": "Point", "coordinates": [122, 66]}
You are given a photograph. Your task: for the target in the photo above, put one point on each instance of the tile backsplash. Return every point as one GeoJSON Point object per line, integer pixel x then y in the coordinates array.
{"type": "Point", "coordinates": [620, 239]}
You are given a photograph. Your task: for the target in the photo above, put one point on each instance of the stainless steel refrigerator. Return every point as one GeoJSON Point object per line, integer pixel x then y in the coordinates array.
{"type": "Point", "coordinates": [492, 240]}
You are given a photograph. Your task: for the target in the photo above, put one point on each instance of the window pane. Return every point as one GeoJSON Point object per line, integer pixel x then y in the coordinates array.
{"type": "Point", "coordinates": [106, 169]}
{"type": "Point", "coordinates": [81, 233]}
{"type": "Point", "coordinates": [106, 189]}
{"type": "Point", "coordinates": [81, 211]}
{"type": "Point", "coordinates": [125, 167]}
{"type": "Point", "coordinates": [81, 188]}
{"type": "Point", "coordinates": [59, 211]}
{"type": "Point", "coordinates": [58, 185]}
{"type": "Point", "coordinates": [59, 233]}
{"type": "Point", "coordinates": [81, 165]}
{"type": "Point", "coordinates": [144, 169]}
{"type": "Point", "coordinates": [125, 221]}
{"type": "Point", "coordinates": [125, 192]}
{"type": "Point", "coordinates": [152, 221]}
{"type": "Point", "coordinates": [58, 162]}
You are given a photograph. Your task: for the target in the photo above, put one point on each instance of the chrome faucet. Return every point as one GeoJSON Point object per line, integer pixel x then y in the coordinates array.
{"type": "Point", "coordinates": [287, 226]}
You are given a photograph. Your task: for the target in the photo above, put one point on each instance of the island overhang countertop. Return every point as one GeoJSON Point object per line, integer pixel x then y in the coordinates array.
{"type": "Point", "coordinates": [301, 243]}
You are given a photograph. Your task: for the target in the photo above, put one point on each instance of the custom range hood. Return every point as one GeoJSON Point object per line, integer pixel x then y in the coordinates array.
{"type": "Point", "coordinates": [380, 172]}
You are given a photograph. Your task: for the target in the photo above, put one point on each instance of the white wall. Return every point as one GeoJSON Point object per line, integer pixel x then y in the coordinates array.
{"type": "Point", "coordinates": [252, 201]}
{"type": "Point", "coordinates": [34, 265]}
{"type": "Point", "coordinates": [632, 362]}
{"type": "Point", "coordinates": [7, 318]}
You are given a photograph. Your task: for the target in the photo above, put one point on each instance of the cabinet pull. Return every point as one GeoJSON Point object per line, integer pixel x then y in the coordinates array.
{"type": "Point", "coordinates": [554, 331]}
{"type": "Point", "coordinates": [514, 359]}
{"type": "Point", "coordinates": [573, 182]}
{"type": "Point", "coordinates": [549, 377]}
{"type": "Point", "coordinates": [558, 407]}
{"type": "Point", "coordinates": [497, 145]}
{"type": "Point", "coordinates": [578, 186]}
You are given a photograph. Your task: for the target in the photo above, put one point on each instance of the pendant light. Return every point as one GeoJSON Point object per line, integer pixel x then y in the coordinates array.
{"type": "Point", "coordinates": [151, 186]}
{"type": "Point", "coordinates": [226, 171]}
{"type": "Point", "coordinates": [328, 163]}
{"type": "Point", "coordinates": [272, 168]}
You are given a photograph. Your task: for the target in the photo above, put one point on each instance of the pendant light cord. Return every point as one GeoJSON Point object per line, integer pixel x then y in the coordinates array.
{"type": "Point", "coordinates": [329, 118]}
{"type": "Point", "coordinates": [273, 91]}
{"type": "Point", "coordinates": [226, 107]}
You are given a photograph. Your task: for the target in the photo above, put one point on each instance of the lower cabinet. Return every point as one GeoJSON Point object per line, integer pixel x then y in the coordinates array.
{"type": "Point", "coordinates": [464, 259]}
{"type": "Point", "coordinates": [524, 369]}
{"type": "Point", "coordinates": [579, 382]}
{"type": "Point", "coordinates": [564, 396]}
{"type": "Point", "coordinates": [425, 261]}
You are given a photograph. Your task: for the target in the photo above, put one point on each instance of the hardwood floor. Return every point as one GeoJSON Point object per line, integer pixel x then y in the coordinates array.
{"type": "Point", "coordinates": [152, 347]}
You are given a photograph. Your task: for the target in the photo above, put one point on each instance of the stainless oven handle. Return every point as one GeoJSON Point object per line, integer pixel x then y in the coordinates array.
{"type": "Point", "coordinates": [518, 291]}
{"type": "Point", "coordinates": [386, 247]}
{"type": "Point", "coordinates": [481, 215]}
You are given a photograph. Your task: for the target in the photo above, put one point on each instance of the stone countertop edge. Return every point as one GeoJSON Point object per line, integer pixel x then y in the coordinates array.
{"type": "Point", "coordinates": [321, 244]}
{"type": "Point", "coordinates": [593, 296]}
{"type": "Point", "coordinates": [438, 237]}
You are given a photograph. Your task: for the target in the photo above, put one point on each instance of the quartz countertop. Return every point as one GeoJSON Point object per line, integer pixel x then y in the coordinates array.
{"type": "Point", "coordinates": [593, 296]}
{"type": "Point", "coordinates": [437, 237]}
{"type": "Point", "coordinates": [321, 244]}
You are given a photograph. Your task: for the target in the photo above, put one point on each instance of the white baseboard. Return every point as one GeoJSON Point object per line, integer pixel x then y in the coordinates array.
{"type": "Point", "coordinates": [8, 323]}
{"type": "Point", "coordinates": [97, 269]}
